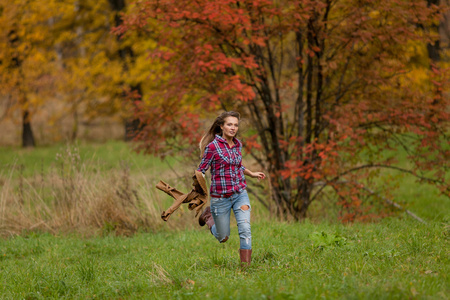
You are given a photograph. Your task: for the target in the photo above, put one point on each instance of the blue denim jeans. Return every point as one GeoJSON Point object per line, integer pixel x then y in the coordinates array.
{"type": "Point", "coordinates": [221, 212]}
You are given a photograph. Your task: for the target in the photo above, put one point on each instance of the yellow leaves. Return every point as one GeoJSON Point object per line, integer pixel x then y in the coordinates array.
{"type": "Point", "coordinates": [63, 48]}
{"type": "Point", "coordinates": [65, 36]}
{"type": "Point", "coordinates": [417, 77]}
{"type": "Point", "coordinates": [416, 53]}
{"type": "Point", "coordinates": [143, 70]}
{"type": "Point", "coordinates": [375, 14]}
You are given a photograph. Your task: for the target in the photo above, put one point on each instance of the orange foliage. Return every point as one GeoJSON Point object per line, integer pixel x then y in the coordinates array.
{"type": "Point", "coordinates": [325, 83]}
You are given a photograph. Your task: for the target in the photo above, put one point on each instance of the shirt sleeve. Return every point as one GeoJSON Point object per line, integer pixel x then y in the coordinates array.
{"type": "Point", "coordinates": [240, 150]}
{"type": "Point", "coordinates": [206, 160]}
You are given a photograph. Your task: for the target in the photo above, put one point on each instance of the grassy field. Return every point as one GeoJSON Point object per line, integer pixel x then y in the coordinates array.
{"type": "Point", "coordinates": [82, 222]}
{"type": "Point", "coordinates": [87, 188]}
{"type": "Point", "coordinates": [38, 169]}
{"type": "Point", "coordinates": [393, 259]}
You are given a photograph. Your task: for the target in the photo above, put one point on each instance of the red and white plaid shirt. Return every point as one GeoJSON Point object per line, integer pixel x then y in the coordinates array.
{"type": "Point", "coordinates": [227, 171]}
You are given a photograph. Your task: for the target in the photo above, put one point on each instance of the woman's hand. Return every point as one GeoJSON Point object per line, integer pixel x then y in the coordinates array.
{"type": "Point", "coordinates": [259, 175]}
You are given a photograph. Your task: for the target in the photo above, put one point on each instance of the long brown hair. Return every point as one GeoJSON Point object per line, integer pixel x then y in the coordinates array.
{"type": "Point", "coordinates": [215, 129]}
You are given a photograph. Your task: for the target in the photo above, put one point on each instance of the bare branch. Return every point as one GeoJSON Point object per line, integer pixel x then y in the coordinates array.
{"type": "Point", "coordinates": [388, 201]}
{"type": "Point", "coordinates": [435, 181]}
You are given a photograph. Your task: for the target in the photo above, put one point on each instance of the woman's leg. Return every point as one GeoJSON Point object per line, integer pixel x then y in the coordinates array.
{"type": "Point", "coordinates": [241, 209]}
{"type": "Point", "coordinates": [221, 211]}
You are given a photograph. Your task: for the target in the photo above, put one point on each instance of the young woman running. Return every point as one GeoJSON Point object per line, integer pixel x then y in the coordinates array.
{"type": "Point", "coordinates": [221, 152]}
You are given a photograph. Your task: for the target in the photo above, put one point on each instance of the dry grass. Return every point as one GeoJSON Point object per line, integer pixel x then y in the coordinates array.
{"type": "Point", "coordinates": [159, 275]}
{"type": "Point", "coordinates": [75, 197]}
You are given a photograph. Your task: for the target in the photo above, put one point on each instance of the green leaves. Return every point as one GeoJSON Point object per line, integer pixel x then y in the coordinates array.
{"type": "Point", "coordinates": [323, 240]}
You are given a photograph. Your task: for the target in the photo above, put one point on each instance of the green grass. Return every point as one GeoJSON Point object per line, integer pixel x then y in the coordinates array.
{"type": "Point", "coordinates": [106, 157]}
{"type": "Point", "coordinates": [393, 259]}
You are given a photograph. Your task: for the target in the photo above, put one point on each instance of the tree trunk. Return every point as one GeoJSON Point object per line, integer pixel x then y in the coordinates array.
{"type": "Point", "coordinates": [434, 48]}
{"type": "Point", "coordinates": [132, 128]}
{"type": "Point", "coordinates": [27, 132]}
{"type": "Point", "coordinates": [304, 200]}
{"type": "Point", "coordinates": [75, 124]}
{"type": "Point", "coordinates": [132, 125]}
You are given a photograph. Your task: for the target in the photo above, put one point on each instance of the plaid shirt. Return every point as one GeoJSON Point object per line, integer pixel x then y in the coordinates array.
{"type": "Point", "coordinates": [227, 172]}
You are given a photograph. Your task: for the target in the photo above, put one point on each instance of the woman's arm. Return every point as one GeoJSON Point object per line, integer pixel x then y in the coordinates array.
{"type": "Point", "coordinates": [206, 160]}
{"type": "Point", "coordinates": [259, 175]}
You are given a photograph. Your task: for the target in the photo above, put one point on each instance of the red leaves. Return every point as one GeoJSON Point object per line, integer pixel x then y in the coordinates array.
{"type": "Point", "coordinates": [235, 87]}
{"type": "Point", "coordinates": [328, 84]}
{"type": "Point", "coordinates": [251, 143]}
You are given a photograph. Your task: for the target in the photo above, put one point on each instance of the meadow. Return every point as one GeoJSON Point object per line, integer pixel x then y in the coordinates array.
{"type": "Point", "coordinates": [393, 259]}
{"type": "Point", "coordinates": [82, 222]}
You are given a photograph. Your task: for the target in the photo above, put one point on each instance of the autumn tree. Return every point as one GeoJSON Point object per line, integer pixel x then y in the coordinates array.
{"type": "Point", "coordinates": [126, 53]}
{"type": "Point", "coordinates": [100, 70]}
{"type": "Point", "coordinates": [24, 62]}
{"type": "Point", "coordinates": [60, 60]}
{"type": "Point", "coordinates": [324, 84]}
{"type": "Point", "coordinates": [90, 69]}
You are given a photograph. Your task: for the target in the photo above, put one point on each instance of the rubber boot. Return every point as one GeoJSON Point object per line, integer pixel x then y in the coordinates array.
{"type": "Point", "coordinates": [206, 218]}
{"type": "Point", "coordinates": [246, 257]}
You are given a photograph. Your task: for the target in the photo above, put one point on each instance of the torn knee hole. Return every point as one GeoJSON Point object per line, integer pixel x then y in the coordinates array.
{"type": "Point", "coordinates": [245, 207]}
{"type": "Point", "coordinates": [224, 240]}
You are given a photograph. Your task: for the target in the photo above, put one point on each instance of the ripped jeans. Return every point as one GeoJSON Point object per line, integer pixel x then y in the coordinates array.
{"type": "Point", "coordinates": [221, 211]}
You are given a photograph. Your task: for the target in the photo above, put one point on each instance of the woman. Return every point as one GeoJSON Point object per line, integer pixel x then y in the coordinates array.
{"type": "Point", "coordinates": [221, 151]}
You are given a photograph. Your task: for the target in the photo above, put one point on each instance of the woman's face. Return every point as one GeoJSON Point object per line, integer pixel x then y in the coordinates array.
{"type": "Point", "coordinates": [230, 127]}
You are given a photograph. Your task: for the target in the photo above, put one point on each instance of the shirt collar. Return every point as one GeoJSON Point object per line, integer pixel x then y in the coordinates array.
{"type": "Point", "coordinates": [221, 139]}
